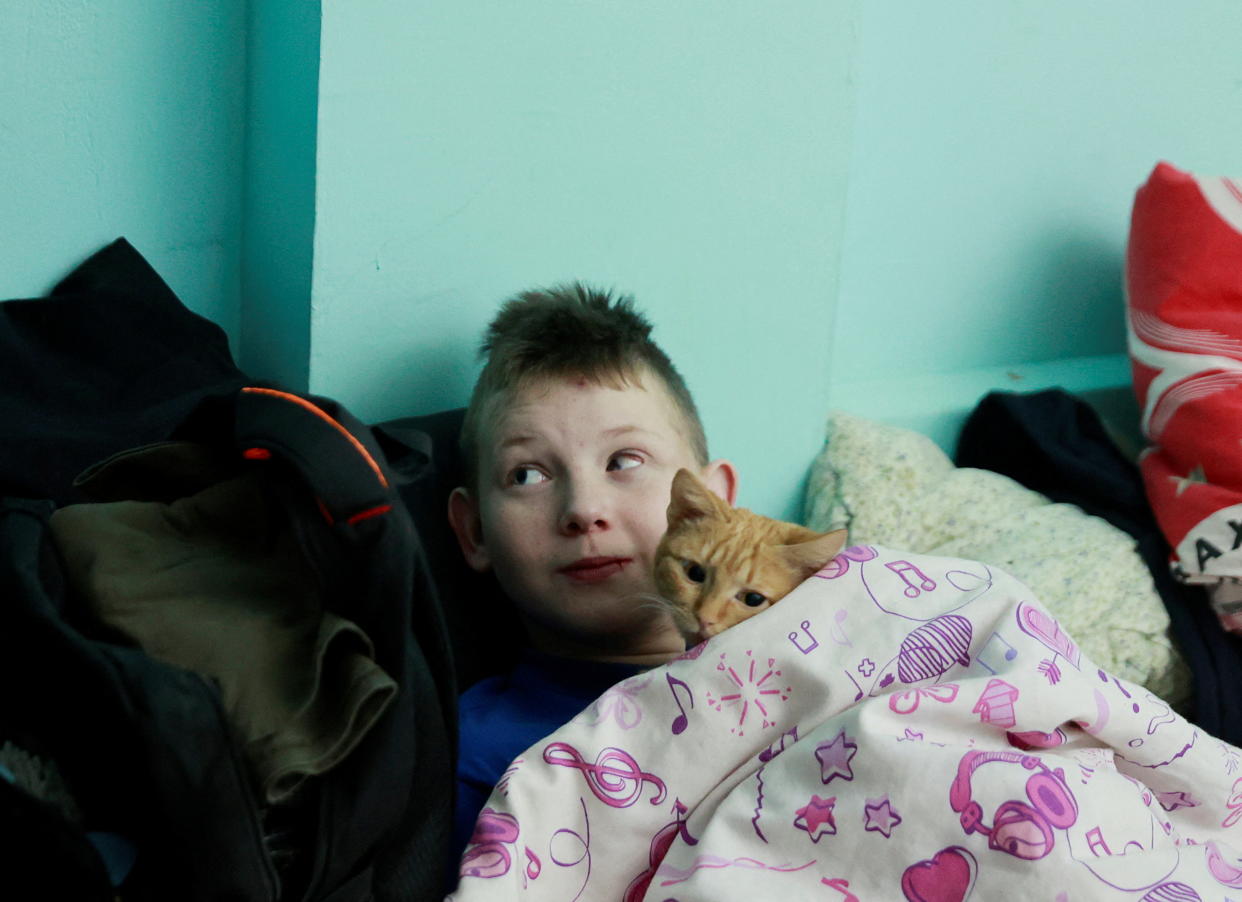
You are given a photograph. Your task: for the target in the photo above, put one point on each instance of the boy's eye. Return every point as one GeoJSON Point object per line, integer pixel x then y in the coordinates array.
{"type": "Point", "coordinates": [624, 461]}
{"type": "Point", "coordinates": [752, 599]}
{"type": "Point", "coordinates": [694, 572]}
{"type": "Point", "coordinates": [526, 476]}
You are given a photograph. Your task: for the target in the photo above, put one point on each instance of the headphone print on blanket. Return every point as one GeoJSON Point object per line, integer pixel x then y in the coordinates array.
{"type": "Point", "coordinates": [924, 708]}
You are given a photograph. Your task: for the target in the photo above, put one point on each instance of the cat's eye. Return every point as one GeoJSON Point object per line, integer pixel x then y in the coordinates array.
{"type": "Point", "coordinates": [694, 572]}
{"type": "Point", "coordinates": [753, 599]}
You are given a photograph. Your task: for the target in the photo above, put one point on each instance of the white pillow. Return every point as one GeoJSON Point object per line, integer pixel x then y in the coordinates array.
{"type": "Point", "coordinates": [894, 487]}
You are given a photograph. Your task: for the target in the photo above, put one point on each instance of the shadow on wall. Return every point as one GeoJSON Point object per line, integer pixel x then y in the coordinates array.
{"type": "Point", "coordinates": [1066, 294]}
{"type": "Point", "coordinates": [432, 376]}
{"type": "Point", "coordinates": [1052, 318]}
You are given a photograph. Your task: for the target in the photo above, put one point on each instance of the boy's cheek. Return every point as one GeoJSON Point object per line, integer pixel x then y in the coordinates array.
{"type": "Point", "coordinates": [512, 552]}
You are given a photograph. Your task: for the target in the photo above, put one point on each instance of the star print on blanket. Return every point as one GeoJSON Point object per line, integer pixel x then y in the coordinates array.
{"type": "Point", "coordinates": [900, 726]}
{"type": "Point", "coordinates": [1184, 305]}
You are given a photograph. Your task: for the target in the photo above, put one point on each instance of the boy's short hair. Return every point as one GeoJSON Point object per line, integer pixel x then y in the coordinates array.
{"type": "Point", "coordinates": [565, 331]}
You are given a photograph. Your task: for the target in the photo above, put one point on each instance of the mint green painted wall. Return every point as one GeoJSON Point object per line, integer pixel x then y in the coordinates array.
{"type": "Point", "coordinates": [996, 153]}
{"type": "Point", "coordinates": [124, 118]}
{"type": "Point", "coordinates": [694, 154]}
{"type": "Point", "coordinates": [885, 207]}
{"type": "Point", "coordinates": [888, 208]}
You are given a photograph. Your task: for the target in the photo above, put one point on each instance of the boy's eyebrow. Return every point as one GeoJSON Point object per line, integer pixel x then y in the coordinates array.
{"type": "Point", "coordinates": [523, 438]}
{"type": "Point", "coordinates": [515, 440]}
{"type": "Point", "coordinates": [617, 431]}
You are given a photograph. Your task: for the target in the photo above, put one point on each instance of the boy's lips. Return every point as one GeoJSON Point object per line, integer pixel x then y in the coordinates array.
{"type": "Point", "coordinates": [594, 569]}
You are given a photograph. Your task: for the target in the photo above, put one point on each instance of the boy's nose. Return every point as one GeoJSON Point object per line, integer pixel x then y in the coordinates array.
{"type": "Point", "coordinates": [579, 521]}
{"type": "Point", "coordinates": [583, 513]}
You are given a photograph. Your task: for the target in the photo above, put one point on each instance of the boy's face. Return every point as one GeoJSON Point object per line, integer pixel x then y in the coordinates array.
{"type": "Point", "coordinates": [572, 496]}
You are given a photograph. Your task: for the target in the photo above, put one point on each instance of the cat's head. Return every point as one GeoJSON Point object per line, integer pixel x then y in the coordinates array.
{"type": "Point", "coordinates": [718, 565]}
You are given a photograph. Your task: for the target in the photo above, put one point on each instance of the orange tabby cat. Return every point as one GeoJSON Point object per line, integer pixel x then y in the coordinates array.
{"type": "Point", "coordinates": [718, 565]}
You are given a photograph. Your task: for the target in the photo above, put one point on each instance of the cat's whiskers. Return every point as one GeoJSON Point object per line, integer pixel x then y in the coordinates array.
{"type": "Point", "coordinates": [683, 619]}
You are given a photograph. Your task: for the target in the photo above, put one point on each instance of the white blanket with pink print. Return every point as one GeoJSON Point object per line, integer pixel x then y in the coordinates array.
{"type": "Point", "coordinates": [901, 726]}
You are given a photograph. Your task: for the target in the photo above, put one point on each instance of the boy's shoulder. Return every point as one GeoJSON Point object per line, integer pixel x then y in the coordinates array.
{"type": "Point", "coordinates": [541, 686]}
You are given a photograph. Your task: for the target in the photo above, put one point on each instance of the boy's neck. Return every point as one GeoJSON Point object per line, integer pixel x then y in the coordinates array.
{"type": "Point", "coordinates": [657, 650]}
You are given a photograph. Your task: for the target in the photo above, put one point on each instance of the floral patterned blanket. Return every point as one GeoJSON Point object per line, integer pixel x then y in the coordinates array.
{"type": "Point", "coordinates": [901, 726]}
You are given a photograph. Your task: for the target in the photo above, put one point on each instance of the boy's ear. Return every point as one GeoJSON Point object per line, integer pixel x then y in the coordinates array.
{"type": "Point", "coordinates": [463, 514]}
{"type": "Point", "coordinates": [721, 477]}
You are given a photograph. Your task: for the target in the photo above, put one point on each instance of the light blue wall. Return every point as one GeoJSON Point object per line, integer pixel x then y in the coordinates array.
{"type": "Point", "coordinates": [887, 207]}
{"type": "Point", "coordinates": [996, 152]}
{"type": "Point", "coordinates": [691, 153]}
{"type": "Point", "coordinates": [123, 119]}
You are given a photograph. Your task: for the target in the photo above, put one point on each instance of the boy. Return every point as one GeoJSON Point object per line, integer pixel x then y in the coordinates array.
{"type": "Point", "coordinates": [572, 437]}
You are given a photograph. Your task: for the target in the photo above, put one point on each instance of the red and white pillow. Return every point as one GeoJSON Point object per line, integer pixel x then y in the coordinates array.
{"type": "Point", "coordinates": [1183, 281]}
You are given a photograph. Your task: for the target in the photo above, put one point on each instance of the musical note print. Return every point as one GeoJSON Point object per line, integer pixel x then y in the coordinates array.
{"type": "Point", "coordinates": [810, 646]}
{"type": "Point", "coordinates": [681, 721]}
{"type": "Point", "coordinates": [993, 652]}
{"type": "Point", "coordinates": [904, 569]}
{"type": "Point", "coordinates": [840, 564]}
{"type": "Point", "coordinates": [859, 694]}
{"type": "Point", "coordinates": [615, 778]}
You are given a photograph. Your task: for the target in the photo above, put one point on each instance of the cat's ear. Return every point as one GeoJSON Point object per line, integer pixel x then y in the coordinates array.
{"type": "Point", "coordinates": [690, 499]}
{"type": "Point", "coordinates": [463, 514]}
{"type": "Point", "coordinates": [813, 554]}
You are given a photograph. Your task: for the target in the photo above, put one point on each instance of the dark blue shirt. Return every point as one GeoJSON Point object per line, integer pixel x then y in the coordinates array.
{"type": "Point", "coordinates": [500, 717]}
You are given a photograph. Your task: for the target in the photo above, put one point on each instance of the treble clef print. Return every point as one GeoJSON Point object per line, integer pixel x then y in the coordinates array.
{"type": "Point", "coordinates": [615, 777]}
{"type": "Point", "coordinates": [1234, 804]}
